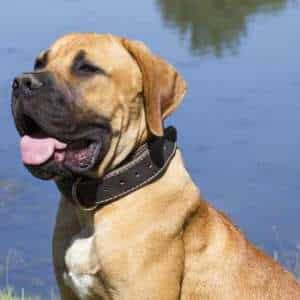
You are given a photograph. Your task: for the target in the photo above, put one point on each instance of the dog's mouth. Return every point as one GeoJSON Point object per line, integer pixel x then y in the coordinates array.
{"type": "Point", "coordinates": [39, 149]}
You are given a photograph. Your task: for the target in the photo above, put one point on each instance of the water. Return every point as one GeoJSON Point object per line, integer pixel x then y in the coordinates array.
{"type": "Point", "coordinates": [238, 126]}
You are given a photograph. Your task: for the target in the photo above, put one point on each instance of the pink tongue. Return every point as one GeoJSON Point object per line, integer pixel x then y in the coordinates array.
{"type": "Point", "coordinates": [35, 151]}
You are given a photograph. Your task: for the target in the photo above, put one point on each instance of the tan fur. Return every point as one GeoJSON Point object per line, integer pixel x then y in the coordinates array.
{"type": "Point", "coordinates": [163, 241]}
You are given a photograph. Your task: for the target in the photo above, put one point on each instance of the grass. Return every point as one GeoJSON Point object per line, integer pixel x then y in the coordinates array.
{"type": "Point", "coordinates": [9, 294]}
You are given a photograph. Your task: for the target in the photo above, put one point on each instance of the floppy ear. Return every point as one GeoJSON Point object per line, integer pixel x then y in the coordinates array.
{"type": "Point", "coordinates": [163, 87]}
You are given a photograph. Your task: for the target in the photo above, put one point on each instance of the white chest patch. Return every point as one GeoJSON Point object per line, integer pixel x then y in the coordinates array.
{"type": "Point", "coordinates": [82, 267]}
{"type": "Point", "coordinates": [80, 284]}
{"type": "Point", "coordinates": [78, 256]}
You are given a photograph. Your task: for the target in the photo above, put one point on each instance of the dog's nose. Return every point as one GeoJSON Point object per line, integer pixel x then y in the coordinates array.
{"type": "Point", "coordinates": [26, 83]}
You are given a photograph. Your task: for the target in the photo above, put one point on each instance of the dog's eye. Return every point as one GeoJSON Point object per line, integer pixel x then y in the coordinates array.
{"type": "Point", "coordinates": [38, 64]}
{"type": "Point", "coordinates": [87, 68]}
{"type": "Point", "coordinates": [41, 61]}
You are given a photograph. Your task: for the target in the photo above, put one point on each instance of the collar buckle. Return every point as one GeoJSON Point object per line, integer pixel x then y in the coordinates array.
{"type": "Point", "coordinates": [76, 197]}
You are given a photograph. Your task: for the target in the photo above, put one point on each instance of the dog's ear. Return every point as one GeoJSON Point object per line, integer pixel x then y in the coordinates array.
{"type": "Point", "coordinates": [163, 87]}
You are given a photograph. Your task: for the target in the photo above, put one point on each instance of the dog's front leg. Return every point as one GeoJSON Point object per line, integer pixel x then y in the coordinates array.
{"type": "Point", "coordinates": [67, 225]}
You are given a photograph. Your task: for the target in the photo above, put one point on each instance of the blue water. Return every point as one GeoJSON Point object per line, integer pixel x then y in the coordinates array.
{"type": "Point", "coordinates": [238, 125]}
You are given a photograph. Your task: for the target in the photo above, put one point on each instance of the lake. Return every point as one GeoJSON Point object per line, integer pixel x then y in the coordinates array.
{"type": "Point", "coordinates": [238, 125]}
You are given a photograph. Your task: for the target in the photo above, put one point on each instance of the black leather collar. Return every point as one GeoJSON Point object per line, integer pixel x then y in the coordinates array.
{"type": "Point", "coordinates": [146, 165]}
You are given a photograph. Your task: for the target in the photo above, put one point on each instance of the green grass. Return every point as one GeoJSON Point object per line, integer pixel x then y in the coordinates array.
{"type": "Point", "coordinates": [9, 294]}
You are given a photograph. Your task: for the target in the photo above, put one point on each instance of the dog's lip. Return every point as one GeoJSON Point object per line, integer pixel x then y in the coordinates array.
{"type": "Point", "coordinates": [27, 125]}
{"type": "Point", "coordinates": [73, 165]}
{"type": "Point", "coordinates": [78, 155]}
{"type": "Point", "coordinates": [96, 148]}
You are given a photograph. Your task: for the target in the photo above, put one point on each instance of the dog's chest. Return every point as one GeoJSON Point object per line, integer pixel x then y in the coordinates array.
{"type": "Point", "coordinates": [82, 285]}
{"type": "Point", "coordinates": [104, 264]}
{"type": "Point", "coordinates": [95, 267]}
{"type": "Point", "coordinates": [82, 268]}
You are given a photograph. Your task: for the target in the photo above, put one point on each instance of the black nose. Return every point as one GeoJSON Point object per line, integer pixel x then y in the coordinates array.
{"type": "Point", "coordinates": [26, 83]}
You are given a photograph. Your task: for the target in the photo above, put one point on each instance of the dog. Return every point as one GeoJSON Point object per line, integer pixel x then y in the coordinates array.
{"type": "Point", "coordinates": [131, 223]}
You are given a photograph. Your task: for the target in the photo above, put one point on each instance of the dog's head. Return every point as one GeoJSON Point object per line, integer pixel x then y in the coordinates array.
{"type": "Point", "coordinates": [90, 101]}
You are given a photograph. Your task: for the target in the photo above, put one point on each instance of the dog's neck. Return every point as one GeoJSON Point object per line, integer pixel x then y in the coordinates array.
{"type": "Point", "coordinates": [175, 185]}
{"type": "Point", "coordinates": [141, 168]}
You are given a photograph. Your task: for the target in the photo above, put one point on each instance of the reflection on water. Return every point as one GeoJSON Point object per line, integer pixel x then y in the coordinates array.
{"type": "Point", "coordinates": [214, 25]}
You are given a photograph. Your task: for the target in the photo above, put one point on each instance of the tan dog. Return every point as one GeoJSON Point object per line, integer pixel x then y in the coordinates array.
{"type": "Point", "coordinates": [91, 102]}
